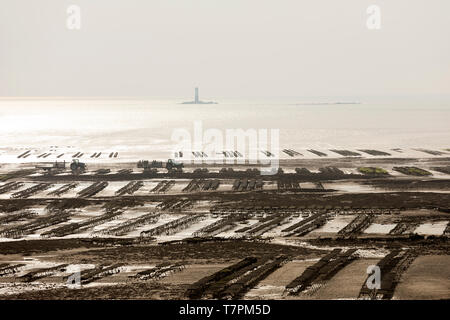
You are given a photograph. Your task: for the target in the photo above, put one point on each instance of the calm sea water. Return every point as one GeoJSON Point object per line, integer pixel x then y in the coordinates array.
{"type": "Point", "coordinates": [143, 124]}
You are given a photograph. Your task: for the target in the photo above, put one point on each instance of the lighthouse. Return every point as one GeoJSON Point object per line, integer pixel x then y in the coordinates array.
{"type": "Point", "coordinates": [197, 99]}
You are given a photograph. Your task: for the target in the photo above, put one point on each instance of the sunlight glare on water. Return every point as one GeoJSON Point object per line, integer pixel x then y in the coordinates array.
{"type": "Point", "coordinates": [41, 123]}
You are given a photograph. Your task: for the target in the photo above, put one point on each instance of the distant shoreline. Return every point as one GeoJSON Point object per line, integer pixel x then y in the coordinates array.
{"type": "Point", "coordinates": [199, 102]}
{"type": "Point", "coordinates": [324, 103]}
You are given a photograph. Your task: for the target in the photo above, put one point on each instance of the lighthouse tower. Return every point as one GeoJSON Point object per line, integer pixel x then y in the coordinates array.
{"type": "Point", "coordinates": [196, 96]}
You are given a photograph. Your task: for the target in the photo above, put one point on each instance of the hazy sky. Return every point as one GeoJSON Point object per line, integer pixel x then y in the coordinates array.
{"type": "Point", "coordinates": [230, 48]}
